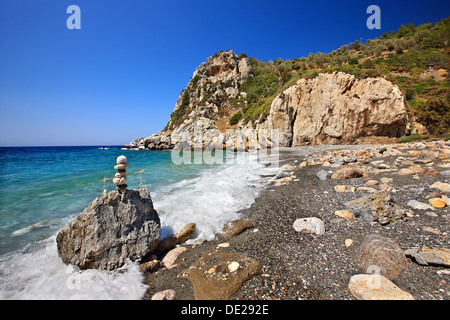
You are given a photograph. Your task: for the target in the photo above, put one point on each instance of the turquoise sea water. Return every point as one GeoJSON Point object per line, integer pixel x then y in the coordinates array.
{"type": "Point", "coordinates": [43, 188]}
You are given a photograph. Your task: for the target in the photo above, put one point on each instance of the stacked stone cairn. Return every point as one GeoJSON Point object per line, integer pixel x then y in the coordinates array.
{"type": "Point", "coordinates": [120, 178]}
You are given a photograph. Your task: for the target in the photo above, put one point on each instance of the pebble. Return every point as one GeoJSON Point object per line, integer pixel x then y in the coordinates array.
{"type": "Point", "coordinates": [385, 180]}
{"type": "Point", "coordinates": [164, 295]}
{"type": "Point", "coordinates": [416, 169]}
{"type": "Point", "coordinates": [344, 188]}
{"type": "Point", "coordinates": [441, 186]}
{"type": "Point", "coordinates": [419, 205]}
{"type": "Point", "coordinates": [309, 225]}
{"type": "Point", "coordinates": [233, 266]}
{"type": "Point", "coordinates": [348, 242]}
{"type": "Point", "coordinates": [368, 189]}
{"type": "Point", "coordinates": [432, 230]}
{"type": "Point", "coordinates": [437, 203]}
{"type": "Point", "coordinates": [323, 175]}
{"type": "Point", "coordinates": [372, 183]}
{"type": "Point", "coordinates": [345, 214]}
{"type": "Point", "coordinates": [405, 172]}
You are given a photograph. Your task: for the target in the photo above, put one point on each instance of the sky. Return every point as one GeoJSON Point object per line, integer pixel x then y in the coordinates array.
{"type": "Point", "coordinates": [118, 77]}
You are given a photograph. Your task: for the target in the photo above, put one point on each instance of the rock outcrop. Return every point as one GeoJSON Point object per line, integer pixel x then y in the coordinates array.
{"type": "Point", "coordinates": [201, 104]}
{"type": "Point", "coordinates": [110, 231]}
{"type": "Point", "coordinates": [332, 108]}
{"type": "Point", "coordinates": [336, 109]}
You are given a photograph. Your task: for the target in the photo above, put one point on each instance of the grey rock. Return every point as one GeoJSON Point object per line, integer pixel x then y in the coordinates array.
{"type": "Point", "coordinates": [419, 205]}
{"type": "Point", "coordinates": [446, 173]}
{"type": "Point", "coordinates": [110, 231]}
{"type": "Point", "coordinates": [337, 164]}
{"type": "Point", "coordinates": [323, 175]}
{"type": "Point", "coordinates": [427, 256]}
{"type": "Point", "coordinates": [376, 207]}
{"type": "Point", "coordinates": [350, 159]}
{"type": "Point", "coordinates": [282, 174]}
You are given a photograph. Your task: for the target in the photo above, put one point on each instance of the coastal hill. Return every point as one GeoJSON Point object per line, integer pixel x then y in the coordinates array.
{"type": "Point", "coordinates": [389, 87]}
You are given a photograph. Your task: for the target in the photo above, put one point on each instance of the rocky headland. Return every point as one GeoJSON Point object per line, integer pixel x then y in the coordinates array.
{"type": "Point", "coordinates": [330, 108]}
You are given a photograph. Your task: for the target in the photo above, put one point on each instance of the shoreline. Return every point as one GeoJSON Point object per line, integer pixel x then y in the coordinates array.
{"type": "Point", "coordinates": [312, 267]}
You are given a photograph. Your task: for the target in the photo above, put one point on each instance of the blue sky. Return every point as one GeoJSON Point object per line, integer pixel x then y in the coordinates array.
{"type": "Point", "coordinates": [119, 76]}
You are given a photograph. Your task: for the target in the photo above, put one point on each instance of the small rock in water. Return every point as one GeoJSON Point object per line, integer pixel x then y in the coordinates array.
{"type": "Point", "coordinates": [283, 174]}
{"type": "Point", "coordinates": [309, 225]}
{"type": "Point", "coordinates": [234, 228]}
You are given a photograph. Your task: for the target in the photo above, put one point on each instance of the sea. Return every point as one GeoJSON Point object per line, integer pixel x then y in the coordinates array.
{"type": "Point", "coordinates": [43, 188]}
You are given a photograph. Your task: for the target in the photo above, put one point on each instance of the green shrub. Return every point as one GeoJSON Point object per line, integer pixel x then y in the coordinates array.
{"type": "Point", "coordinates": [413, 137]}
{"type": "Point", "coordinates": [242, 55]}
{"type": "Point", "coordinates": [435, 115]}
{"type": "Point", "coordinates": [236, 118]}
{"type": "Point", "coordinates": [353, 61]}
{"type": "Point", "coordinates": [410, 93]}
{"type": "Point", "coordinates": [286, 77]}
{"type": "Point", "coordinates": [195, 80]}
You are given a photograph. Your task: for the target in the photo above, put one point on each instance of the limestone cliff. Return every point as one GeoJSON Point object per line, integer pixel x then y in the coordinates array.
{"type": "Point", "coordinates": [330, 108]}
{"type": "Point", "coordinates": [337, 108]}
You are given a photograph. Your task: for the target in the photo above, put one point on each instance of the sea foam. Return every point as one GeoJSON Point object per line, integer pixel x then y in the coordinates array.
{"type": "Point", "coordinates": [40, 274]}
{"type": "Point", "coordinates": [210, 200]}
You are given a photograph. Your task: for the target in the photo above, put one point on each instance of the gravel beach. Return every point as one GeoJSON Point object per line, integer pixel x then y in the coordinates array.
{"type": "Point", "coordinates": [308, 266]}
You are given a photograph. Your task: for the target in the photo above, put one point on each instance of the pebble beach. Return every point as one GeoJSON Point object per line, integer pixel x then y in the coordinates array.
{"type": "Point", "coordinates": [320, 264]}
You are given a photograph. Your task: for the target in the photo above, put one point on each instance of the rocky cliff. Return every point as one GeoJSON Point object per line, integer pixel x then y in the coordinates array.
{"type": "Point", "coordinates": [331, 108]}
{"type": "Point", "coordinates": [337, 108]}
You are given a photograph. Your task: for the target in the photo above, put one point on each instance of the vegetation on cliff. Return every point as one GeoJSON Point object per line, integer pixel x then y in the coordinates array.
{"type": "Point", "coordinates": [415, 58]}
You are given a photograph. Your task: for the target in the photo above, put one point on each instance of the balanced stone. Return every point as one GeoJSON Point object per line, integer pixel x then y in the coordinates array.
{"type": "Point", "coordinates": [121, 159]}
{"type": "Point", "coordinates": [121, 166]}
{"type": "Point", "coordinates": [120, 181]}
{"type": "Point", "coordinates": [120, 174]}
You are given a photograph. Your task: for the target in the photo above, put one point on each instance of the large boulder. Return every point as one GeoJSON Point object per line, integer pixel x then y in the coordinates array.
{"type": "Point", "coordinates": [110, 231]}
{"type": "Point", "coordinates": [336, 109]}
